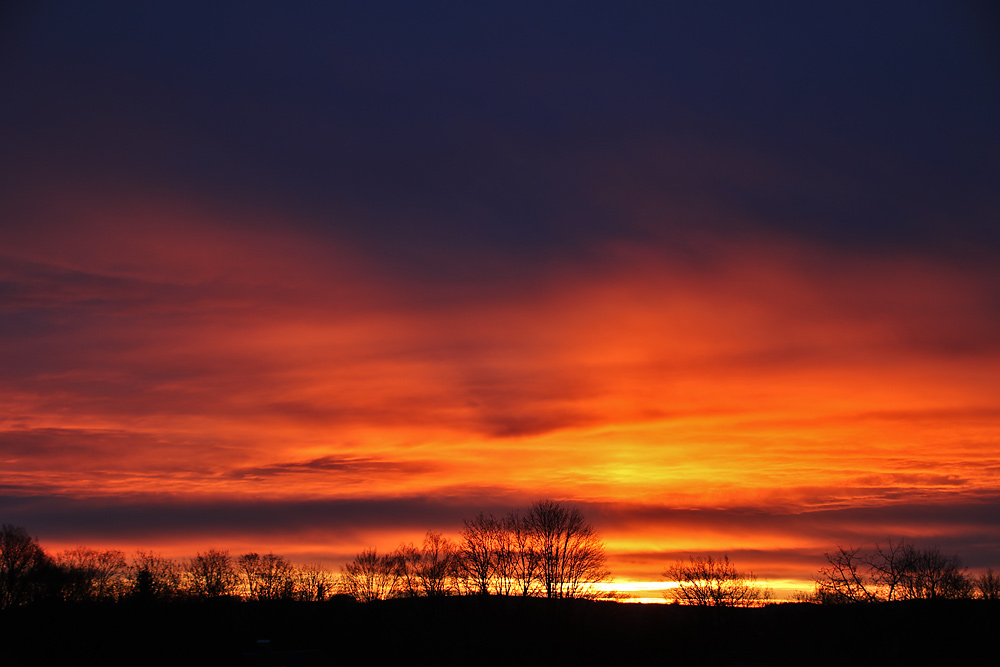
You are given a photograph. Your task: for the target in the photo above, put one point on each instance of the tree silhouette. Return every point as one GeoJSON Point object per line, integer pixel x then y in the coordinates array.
{"type": "Point", "coordinates": [313, 583]}
{"type": "Point", "coordinates": [888, 565]}
{"type": "Point", "coordinates": [154, 577]}
{"type": "Point", "coordinates": [497, 555]}
{"type": "Point", "coordinates": [372, 577]}
{"type": "Point", "coordinates": [707, 581]}
{"type": "Point", "coordinates": [550, 550]}
{"type": "Point", "coordinates": [988, 585]}
{"type": "Point", "coordinates": [406, 556]}
{"type": "Point", "coordinates": [20, 559]}
{"type": "Point", "coordinates": [520, 556]}
{"type": "Point", "coordinates": [846, 578]}
{"type": "Point", "coordinates": [430, 570]}
{"type": "Point", "coordinates": [930, 575]}
{"type": "Point", "coordinates": [436, 565]}
{"type": "Point", "coordinates": [478, 555]}
{"type": "Point", "coordinates": [267, 577]}
{"type": "Point", "coordinates": [212, 574]}
{"type": "Point", "coordinates": [93, 574]}
{"type": "Point", "coordinates": [570, 554]}
{"type": "Point", "coordinates": [896, 571]}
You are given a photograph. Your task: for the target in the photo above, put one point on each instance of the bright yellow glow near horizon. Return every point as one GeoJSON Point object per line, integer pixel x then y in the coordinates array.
{"type": "Point", "coordinates": [641, 387]}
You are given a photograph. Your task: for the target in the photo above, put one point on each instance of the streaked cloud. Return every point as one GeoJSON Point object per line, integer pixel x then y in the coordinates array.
{"type": "Point", "coordinates": [372, 280]}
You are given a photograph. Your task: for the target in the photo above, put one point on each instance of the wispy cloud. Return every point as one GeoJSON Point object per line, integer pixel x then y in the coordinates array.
{"type": "Point", "coordinates": [338, 464]}
{"type": "Point", "coordinates": [436, 275]}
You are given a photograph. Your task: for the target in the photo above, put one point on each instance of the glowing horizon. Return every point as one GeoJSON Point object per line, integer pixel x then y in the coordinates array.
{"type": "Point", "coordinates": [318, 294]}
{"type": "Point", "coordinates": [601, 386]}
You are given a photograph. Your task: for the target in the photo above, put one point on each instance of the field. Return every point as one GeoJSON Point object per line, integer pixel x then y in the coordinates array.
{"type": "Point", "coordinates": [475, 631]}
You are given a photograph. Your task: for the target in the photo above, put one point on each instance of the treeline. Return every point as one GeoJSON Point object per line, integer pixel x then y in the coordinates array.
{"type": "Point", "coordinates": [29, 574]}
{"type": "Point", "coordinates": [899, 570]}
{"type": "Point", "coordinates": [547, 551]}
{"type": "Point", "coordinates": [894, 572]}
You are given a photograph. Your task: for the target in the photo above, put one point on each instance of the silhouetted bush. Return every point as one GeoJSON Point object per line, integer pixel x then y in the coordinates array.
{"type": "Point", "coordinates": [706, 581]}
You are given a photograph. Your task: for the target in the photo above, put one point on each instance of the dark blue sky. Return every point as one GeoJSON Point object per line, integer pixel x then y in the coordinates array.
{"type": "Point", "coordinates": [433, 132]}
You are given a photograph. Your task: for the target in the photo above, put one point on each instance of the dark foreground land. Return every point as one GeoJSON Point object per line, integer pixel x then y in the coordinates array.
{"type": "Point", "coordinates": [478, 631]}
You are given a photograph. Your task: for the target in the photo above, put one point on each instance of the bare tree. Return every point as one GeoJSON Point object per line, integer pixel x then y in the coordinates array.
{"type": "Point", "coordinates": [436, 565]}
{"type": "Point", "coordinates": [888, 566]}
{"type": "Point", "coordinates": [846, 578]}
{"type": "Point", "coordinates": [406, 557]}
{"type": "Point", "coordinates": [313, 582]}
{"type": "Point", "coordinates": [550, 550]}
{"type": "Point", "coordinates": [94, 574]}
{"type": "Point", "coordinates": [246, 567]}
{"type": "Point", "coordinates": [896, 571]}
{"type": "Point", "coordinates": [212, 574]}
{"type": "Point", "coordinates": [20, 557]}
{"type": "Point", "coordinates": [154, 577]}
{"type": "Point", "coordinates": [372, 577]}
{"type": "Point", "coordinates": [854, 575]}
{"type": "Point", "coordinates": [988, 585]}
{"type": "Point", "coordinates": [520, 556]}
{"type": "Point", "coordinates": [267, 577]}
{"type": "Point", "coordinates": [497, 555]}
{"type": "Point", "coordinates": [571, 556]}
{"type": "Point", "coordinates": [713, 582]}
{"type": "Point", "coordinates": [478, 553]}
{"type": "Point", "coordinates": [930, 575]}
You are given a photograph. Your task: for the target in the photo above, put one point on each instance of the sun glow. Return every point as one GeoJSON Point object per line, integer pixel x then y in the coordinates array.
{"type": "Point", "coordinates": [759, 395]}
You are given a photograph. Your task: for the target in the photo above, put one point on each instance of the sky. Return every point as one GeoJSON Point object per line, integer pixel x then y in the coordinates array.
{"type": "Point", "coordinates": [315, 277]}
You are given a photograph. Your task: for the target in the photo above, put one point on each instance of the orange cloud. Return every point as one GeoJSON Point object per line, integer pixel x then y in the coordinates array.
{"type": "Point", "coordinates": [174, 355]}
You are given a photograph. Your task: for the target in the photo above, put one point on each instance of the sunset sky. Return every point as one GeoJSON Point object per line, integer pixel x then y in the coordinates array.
{"type": "Point", "coordinates": [316, 277]}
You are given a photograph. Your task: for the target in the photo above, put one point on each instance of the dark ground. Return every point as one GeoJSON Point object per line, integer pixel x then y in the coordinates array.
{"type": "Point", "coordinates": [498, 631]}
